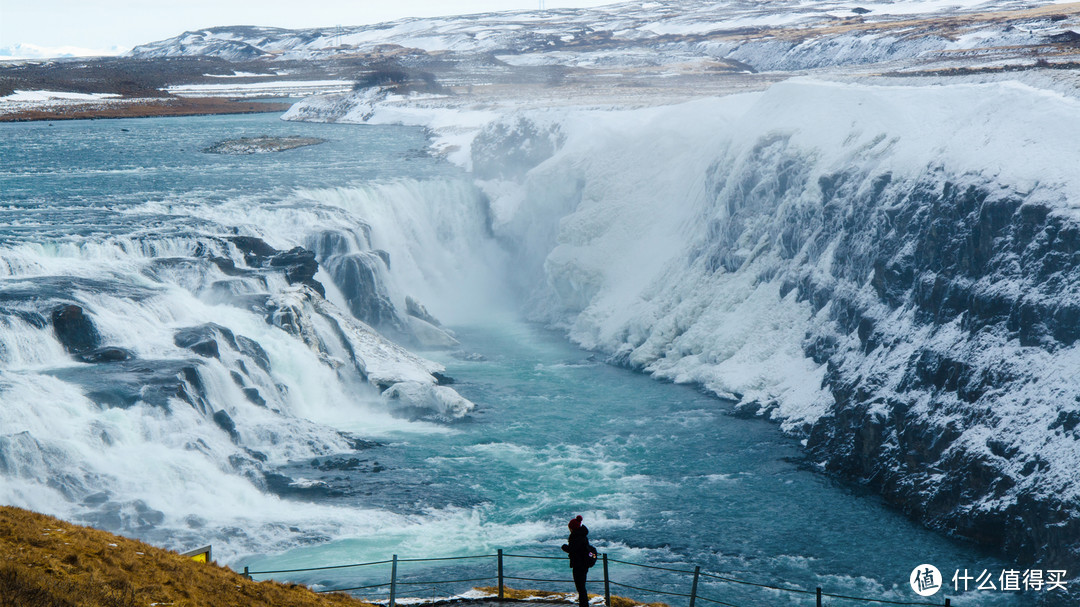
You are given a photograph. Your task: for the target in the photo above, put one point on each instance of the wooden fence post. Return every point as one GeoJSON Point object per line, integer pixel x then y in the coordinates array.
{"type": "Point", "coordinates": [819, 596]}
{"type": "Point", "coordinates": [500, 574]}
{"type": "Point", "coordinates": [393, 580]}
{"type": "Point", "coordinates": [246, 574]}
{"type": "Point", "coordinates": [693, 588]}
{"type": "Point", "coordinates": [607, 584]}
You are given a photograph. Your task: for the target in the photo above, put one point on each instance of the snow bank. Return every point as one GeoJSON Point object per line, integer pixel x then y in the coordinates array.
{"type": "Point", "coordinates": [261, 89]}
{"type": "Point", "coordinates": [30, 96]}
{"type": "Point", "coordinates": [22, 101]}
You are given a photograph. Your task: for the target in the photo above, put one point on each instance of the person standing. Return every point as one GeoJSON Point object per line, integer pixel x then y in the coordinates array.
{"type": "Point", "coordinates": [582, 556]}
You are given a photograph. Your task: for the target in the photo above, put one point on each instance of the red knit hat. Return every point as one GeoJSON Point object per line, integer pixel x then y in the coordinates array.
{"type": "Point", "coordinates": [574, 523]}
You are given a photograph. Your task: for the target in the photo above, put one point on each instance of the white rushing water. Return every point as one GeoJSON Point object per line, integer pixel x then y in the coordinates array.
{"type": "Point", "coordinates": [174, 443]}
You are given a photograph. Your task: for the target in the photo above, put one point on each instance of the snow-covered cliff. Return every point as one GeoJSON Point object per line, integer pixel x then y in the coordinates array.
{"type": "Point", "coordinates": [891, 272]}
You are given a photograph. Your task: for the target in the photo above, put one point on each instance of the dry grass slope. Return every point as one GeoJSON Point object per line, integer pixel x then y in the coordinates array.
{"type": "Point", "coordinates": [46, 562]}
{"type": "Point", "coordinates": [144, 108]}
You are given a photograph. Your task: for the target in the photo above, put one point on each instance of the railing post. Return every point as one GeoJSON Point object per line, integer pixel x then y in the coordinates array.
{"type": "Point", "coordinates": [607, 584]}
{"type": "Point", "coordinates": [693, 588]}
{"type": "Point", "coordinates": [393, 580]}
{"type": "Point", "coordinates": [948, 603]}
{"type": "Point", "coordinates": [246, 574]}
{"type": "Point", "coordinates": [819, 596]}
{"type": "Point", "coordinates": [500, 575]}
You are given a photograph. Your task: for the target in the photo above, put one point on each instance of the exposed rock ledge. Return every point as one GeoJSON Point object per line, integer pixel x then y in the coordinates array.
{"type": "Point", "coordinates": [261, 145]}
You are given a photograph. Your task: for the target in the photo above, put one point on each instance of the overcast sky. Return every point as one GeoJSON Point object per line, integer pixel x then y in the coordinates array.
{"type": "Point", "coordinates": [96, 26]}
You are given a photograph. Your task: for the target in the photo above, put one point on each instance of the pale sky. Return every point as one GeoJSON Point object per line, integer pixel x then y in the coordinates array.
{"type": "Point", "coordinates": [80, 27]}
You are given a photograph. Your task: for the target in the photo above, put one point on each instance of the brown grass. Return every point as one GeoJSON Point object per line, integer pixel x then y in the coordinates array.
{"type": "Point", "coordinates": [145, 108]}
{"type": "Point", "coordinates": [542, 596]}
{"type": "Point", "coordinates": [46, 562]}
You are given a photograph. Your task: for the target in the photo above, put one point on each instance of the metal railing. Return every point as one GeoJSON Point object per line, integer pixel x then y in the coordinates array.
{"type": "Point", "coordinates": [501, 577]}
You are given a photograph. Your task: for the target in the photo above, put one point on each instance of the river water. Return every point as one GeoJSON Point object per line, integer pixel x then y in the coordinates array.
{"type": "Point", "coordinates": [661, 473]}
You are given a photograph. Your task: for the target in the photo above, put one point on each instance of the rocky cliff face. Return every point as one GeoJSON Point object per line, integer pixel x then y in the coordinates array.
{"type": "Point", "coordinates": [891, 273]}
{"type": "Point", "coordinates": [934, 361]}
{"type": "Point", "coordinates": [934, 304]}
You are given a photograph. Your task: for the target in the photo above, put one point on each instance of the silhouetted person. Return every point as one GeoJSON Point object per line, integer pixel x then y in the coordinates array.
{"type": "Point", "coordinates": [582, 556]}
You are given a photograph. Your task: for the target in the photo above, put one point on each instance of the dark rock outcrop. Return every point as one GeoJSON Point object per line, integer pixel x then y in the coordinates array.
{"type": "Point", "coordinates": [107, 354]}
{"type": "Point", "coordinates": [210, 339]}
{"type": "Point", "coordinates": [417, 309]}
{"type": "Point", "coordinates": [255, 250]}
{"type": "Point", "coordinates": [298, 264]}
{"type": "Point", "coordinates": [252, 394]}
{"type": "Point", "coordinates": [226, 423]}
{"type": "Point", "coordinates": [252, 350]}
{"type": "Point", "coordinates": [261, 144]}
{"type": "Point", "coordinates": [983, 268]}
{"type": "Point", "coordinates": [300, 268]}
{"type": "Point", "coordinates": [357, 275]}
{"type": "Point", "coordinates": [74, 329]}
{"type": "Point", "coordinates": [126, 383]}
{"type": "Point", "coordinates": [203, 339]}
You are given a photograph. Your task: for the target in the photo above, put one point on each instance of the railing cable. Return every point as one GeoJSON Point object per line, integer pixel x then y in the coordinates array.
{"type": "Point", "coordinates": [693, 595]}
{"type": "Point", "coordinates": [688, 572]}
{"type": "Point", "coordinates": [614, 583]}
{"type": "Point", "coordinates": [734, 581]}
{"type": "Point", "coordinates": [355, 588]}
{"type": "Point", "coordinates": [448, 558]}
{"type": "Point", "coordinates": [317, 568]}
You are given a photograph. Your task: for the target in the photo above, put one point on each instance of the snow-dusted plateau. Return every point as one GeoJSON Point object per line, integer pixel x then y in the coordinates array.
{"type": "Point", "coordinates": [858, 219]}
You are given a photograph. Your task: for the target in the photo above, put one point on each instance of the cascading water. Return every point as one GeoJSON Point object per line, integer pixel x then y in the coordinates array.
{"type": "Point", "coordinates": [166, 345]}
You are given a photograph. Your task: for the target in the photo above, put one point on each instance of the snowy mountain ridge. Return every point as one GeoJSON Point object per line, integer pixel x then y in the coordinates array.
{"type": "Point", "coordinates": [781, 35]}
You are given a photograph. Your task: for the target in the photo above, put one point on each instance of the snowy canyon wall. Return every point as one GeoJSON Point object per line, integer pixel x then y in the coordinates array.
{"type": "Point", "coordinates": [890, 272]}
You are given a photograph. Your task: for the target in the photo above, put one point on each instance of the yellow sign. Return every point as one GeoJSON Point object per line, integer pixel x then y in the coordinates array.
{"type": "Point", "coordinates": [199, 555]}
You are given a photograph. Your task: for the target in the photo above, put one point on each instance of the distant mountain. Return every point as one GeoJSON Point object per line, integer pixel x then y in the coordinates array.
{"type": "Point", "coordinates": [779, 35]}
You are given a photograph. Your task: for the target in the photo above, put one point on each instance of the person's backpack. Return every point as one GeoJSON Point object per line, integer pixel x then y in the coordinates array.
{"type": "Point", "coordinates": [593, 554]}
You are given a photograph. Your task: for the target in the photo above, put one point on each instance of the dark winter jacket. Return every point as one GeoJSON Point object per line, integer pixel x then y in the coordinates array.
{"type": "Point", "coordinates": [578, 548]}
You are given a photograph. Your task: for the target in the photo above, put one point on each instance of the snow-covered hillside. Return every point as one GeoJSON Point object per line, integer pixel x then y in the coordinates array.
{"type": "Point", "coordinates": [761, 36]}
